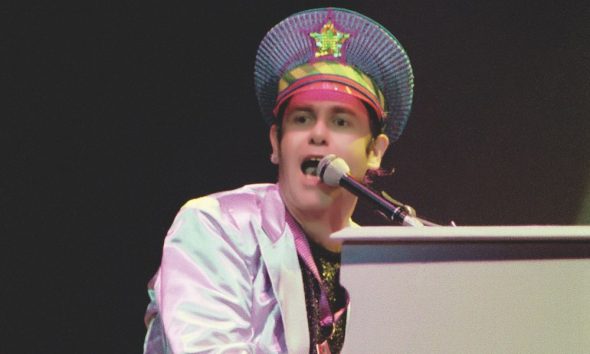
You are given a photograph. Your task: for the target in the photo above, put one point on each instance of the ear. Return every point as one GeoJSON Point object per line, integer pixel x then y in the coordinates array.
{"type": "Point", "coordinates": [378, 148]}
{"type": "Point", "coordinates": [274, 143]}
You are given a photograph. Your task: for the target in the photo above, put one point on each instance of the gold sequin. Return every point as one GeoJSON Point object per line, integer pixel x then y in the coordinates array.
{"type": "Point", "coordinates": [328, 265]}
{"type": "Point", "coordinates": [329, 41]}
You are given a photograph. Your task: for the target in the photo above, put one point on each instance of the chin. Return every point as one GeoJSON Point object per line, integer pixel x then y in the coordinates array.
{"type": "Point", "coordinates": [316, 199]}
{"type": "Point", "coordinates": [306, 193]}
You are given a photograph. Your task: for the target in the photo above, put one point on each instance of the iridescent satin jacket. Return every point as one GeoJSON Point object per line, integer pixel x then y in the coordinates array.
{"type": "Point", "coordinates": [229, 281]}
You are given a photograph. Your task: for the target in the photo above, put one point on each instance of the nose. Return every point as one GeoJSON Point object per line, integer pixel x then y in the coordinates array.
{"type": "Point", "coordinates": [319, 133]}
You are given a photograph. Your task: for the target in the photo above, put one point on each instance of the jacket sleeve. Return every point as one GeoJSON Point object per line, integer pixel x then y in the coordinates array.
{"type": "Point", "coordinates": [205, 285]}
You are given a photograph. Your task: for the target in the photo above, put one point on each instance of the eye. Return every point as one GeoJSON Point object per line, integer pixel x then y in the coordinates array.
{"type": "Point", "coordinates": [341, 122]}
{"type": "Point", "coordinates": [300, 118]}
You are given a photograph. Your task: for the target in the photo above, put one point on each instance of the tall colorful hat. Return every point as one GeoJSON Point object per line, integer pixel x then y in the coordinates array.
{"type": "Point", "coordinates": [340, 50]}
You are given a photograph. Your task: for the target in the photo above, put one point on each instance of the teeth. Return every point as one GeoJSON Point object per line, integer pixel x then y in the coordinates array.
{"type": "Point", "coordinates": [310, 171]}
{"type": "Point", "coordinates": [309, 166]}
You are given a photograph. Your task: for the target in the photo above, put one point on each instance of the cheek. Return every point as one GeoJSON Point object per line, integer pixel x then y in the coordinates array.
{"type": "Point", "coordinates": [357, 156]}
{"type": "Point", "coordinates": [288, 146]}
{"type": "Point", "coordinates": [292, 140]}
{"type": "Point", "coordinates": [358, 147]}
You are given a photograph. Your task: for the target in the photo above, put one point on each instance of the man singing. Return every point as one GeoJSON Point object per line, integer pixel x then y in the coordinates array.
{"type": "Point", "coordinates": [254, 270]}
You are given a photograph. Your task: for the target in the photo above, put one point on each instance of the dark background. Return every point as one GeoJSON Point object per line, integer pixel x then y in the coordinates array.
{"type": "Point", "coordinates": [117, 114]}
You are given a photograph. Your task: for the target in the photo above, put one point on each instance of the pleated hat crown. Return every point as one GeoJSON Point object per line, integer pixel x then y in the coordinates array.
{"type": "Point", "coordinates": [341, 46]}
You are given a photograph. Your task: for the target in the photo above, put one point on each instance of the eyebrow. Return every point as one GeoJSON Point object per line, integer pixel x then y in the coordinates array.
{"type": "Point", "coordinates": [339, 109]}
{"type": "Point", "coordinates": [334, 109]}
{"type": "Point", "coordinates": [301, 108]}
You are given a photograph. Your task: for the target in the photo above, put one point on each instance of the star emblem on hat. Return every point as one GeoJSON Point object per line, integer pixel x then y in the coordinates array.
{"type": "Point", "coordinates": [329, 41]}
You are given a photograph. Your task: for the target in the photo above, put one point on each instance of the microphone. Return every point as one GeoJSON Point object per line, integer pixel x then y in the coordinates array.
{"type": "Point", "coordinates": [334, 171]}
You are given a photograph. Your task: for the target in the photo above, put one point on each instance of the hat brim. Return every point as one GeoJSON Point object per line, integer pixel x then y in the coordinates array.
{"type": "Point", "coordinates": [370, 48]}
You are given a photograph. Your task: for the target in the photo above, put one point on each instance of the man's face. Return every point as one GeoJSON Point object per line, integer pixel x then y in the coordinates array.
{"type": "Point", "coordinates": [314, 126]}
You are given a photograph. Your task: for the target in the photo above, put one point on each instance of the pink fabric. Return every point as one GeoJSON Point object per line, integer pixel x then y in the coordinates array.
{"type": "Point", "coordinates": [224, 283]}
{"type": "Point", "coordinates": [325, 89]}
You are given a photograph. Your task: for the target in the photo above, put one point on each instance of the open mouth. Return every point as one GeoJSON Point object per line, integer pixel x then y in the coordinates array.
{"type": "Point", "coordinates": [309, 166]}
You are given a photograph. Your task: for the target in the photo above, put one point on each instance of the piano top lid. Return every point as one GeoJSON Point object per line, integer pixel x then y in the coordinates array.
{"type": "Point", "coordinates": [465, 233]}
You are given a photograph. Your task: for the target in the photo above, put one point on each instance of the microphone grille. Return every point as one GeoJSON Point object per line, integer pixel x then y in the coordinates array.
{"type": "Point", "coordinates": [331, 169]}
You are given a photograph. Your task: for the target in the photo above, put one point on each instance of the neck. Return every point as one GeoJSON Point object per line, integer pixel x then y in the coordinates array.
{"type": "Point", "coordinates": [319, 225]}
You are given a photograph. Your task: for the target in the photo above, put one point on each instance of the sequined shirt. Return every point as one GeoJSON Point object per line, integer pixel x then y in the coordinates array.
{"type": "Point", "coordinates": [328, 264]}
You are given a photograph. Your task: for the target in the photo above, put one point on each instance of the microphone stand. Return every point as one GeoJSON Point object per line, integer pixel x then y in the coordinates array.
{"type": "Point", "coordinates": [409, 210]}
{"type": "Point", "coordinates": [387, 209]}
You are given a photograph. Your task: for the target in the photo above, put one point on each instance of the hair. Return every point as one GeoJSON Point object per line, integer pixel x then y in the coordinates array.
{"type": "Point", "coordinates": [377, 126]}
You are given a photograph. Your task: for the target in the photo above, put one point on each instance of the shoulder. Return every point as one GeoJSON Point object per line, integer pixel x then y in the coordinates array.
{"type": "Point", "coordinates": [228, 205]}
{"type": "Point", "coordinates": [220, 223]}
{"type": "Point", "coordinates": [252, 193]}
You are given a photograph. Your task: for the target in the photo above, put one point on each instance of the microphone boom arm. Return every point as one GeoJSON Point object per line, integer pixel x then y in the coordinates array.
{"type": "Point", "coordinates": [335, 172]}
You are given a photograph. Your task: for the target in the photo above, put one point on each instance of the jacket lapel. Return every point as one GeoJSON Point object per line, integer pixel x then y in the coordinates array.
{"type": "Point", "coordinates": [278, 251]}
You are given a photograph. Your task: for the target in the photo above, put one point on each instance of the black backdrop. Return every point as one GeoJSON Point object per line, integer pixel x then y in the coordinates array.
{"type": "Point", "coordinates": [117, 114]}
